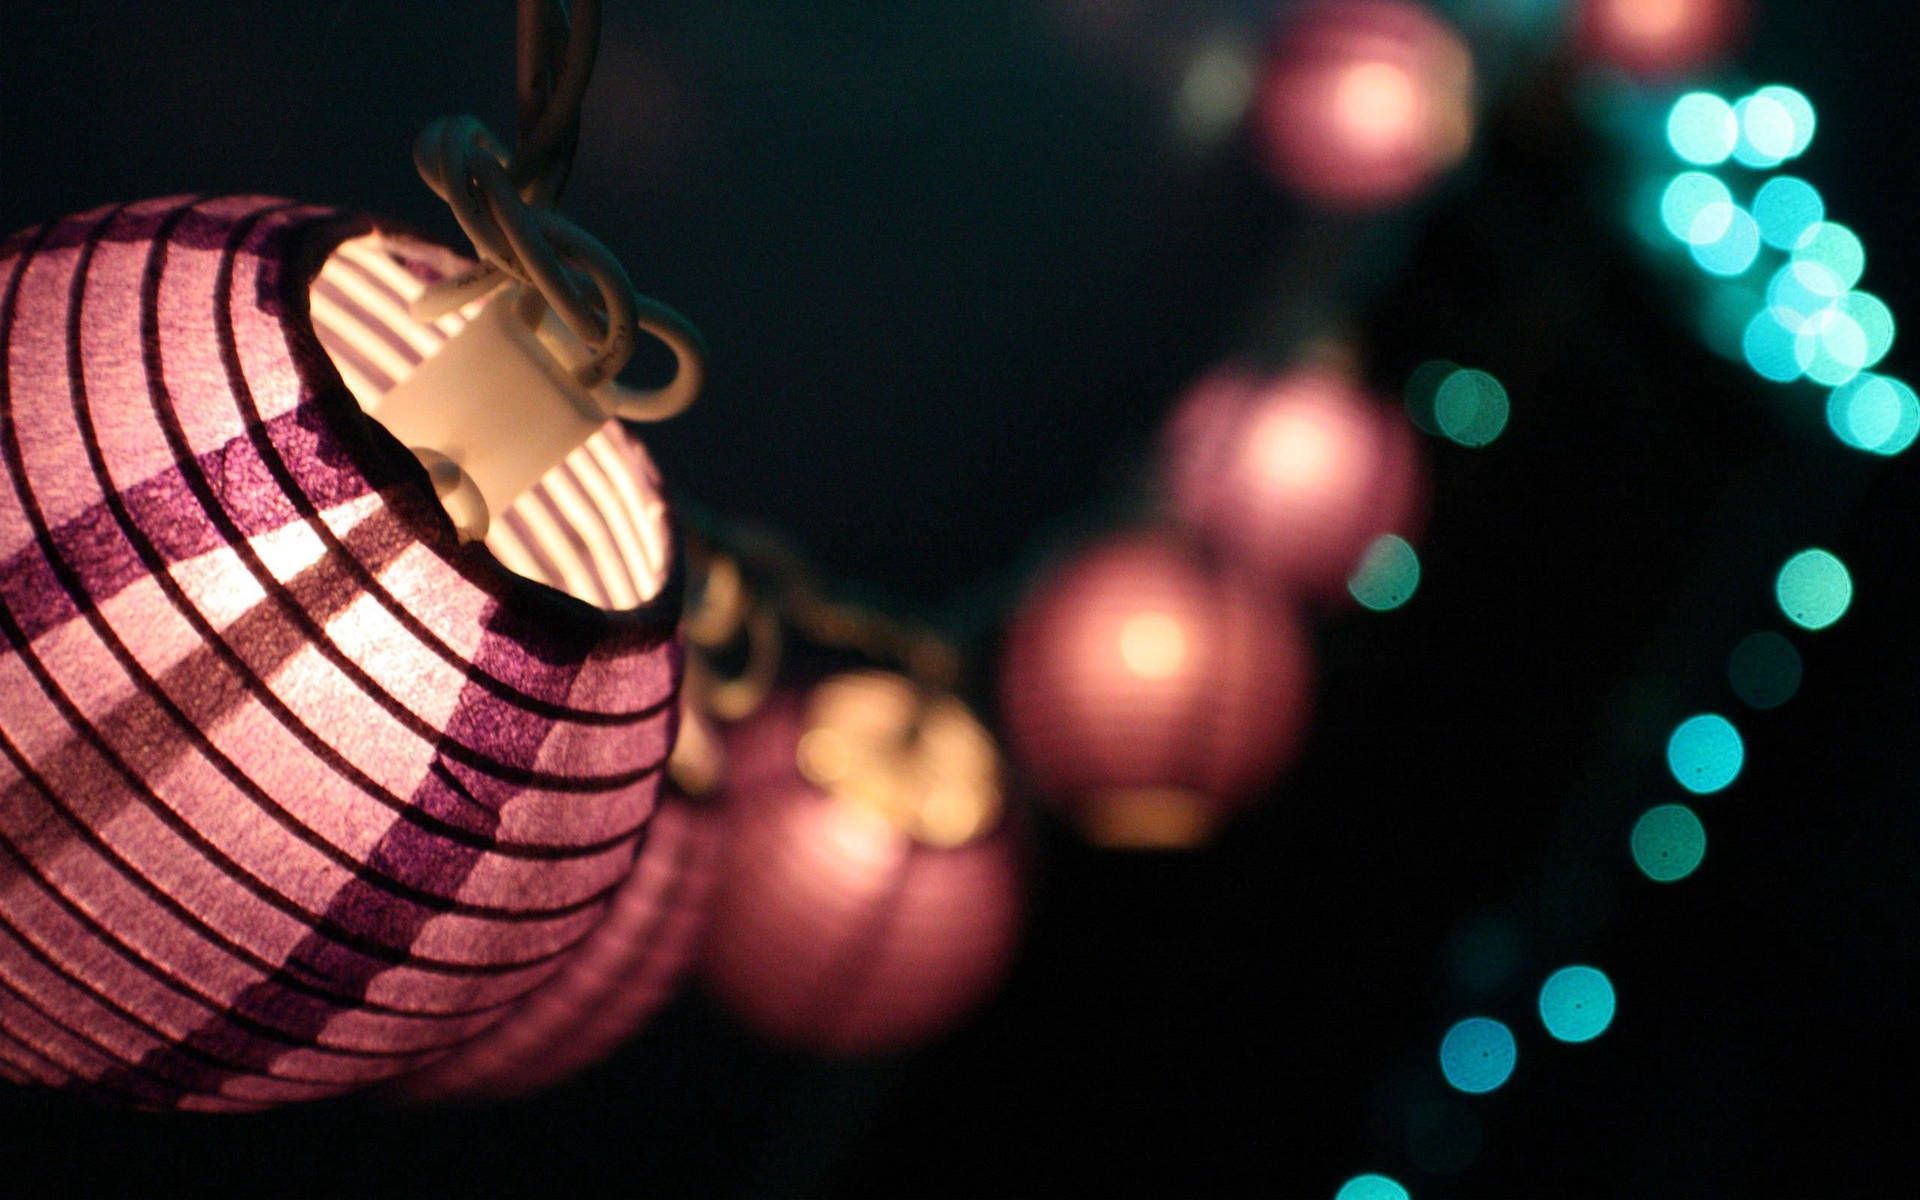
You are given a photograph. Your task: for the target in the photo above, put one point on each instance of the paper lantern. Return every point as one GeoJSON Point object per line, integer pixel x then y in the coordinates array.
{"type": "Point", "coordinates": [1290, 478]}
{"type": "Point", "coordinates": [1658, 38]}
{"type": "Point", "coordinates": [1149, 695]}
{"type": "Point", "coordinates": [619, 978]}
{"type": "Point", "coordinates": [873, 910]}
{"type": "Point", "coordinates": [300, 791]}
{"type": "Point", "coordinates": [1362, 102]}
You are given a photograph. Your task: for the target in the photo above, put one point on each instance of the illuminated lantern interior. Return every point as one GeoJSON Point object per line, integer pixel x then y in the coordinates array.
{"type": "Point", "coordinates": [871, 894]}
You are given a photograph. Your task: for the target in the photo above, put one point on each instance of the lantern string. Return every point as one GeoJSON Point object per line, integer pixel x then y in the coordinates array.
{"type": "Point", "coordinates": [503, 203]}
{"type": "Point", "coordinates": [749, 586]}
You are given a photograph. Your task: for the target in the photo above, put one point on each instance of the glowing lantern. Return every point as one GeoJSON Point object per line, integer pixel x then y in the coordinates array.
{"type": "Point", "coordinates": [300, 791]}
{"type": "Point", "coordinates": [624, 973]}
{"type": "Point", "coordinates": [871, 895]}
{"type": "Point", "coordinates": [1659, 37]}
{"type": "Point", "coordinates": [1363, 101]}
{"type": "Point", "coordinates": [1150, 695]}
{"type": "Point", "coordinates": [1289, 479]}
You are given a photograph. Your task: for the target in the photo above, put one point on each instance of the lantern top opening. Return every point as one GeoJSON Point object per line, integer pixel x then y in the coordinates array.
{"type": "Point", "coordinates": [593, 525]}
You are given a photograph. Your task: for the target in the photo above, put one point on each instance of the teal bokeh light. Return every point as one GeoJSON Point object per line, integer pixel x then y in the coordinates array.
{"type": "Point", "coordinates": [1830, 347]}
{"type": "Point", "coordinates": [1668, 843]}
{"type": "Point", "coordinates": [1785, 209]}
{"type": "Point", "coordinates": [1371, 1187]}
{"type": "Point", "coordinates": [1770, 346]}
{"type": "Point", "coordinates": [1478, 1055]}
{"type": "Point", "coordinates": [1577, 1003]}
{"type": "Point", "coordinates": [1797, 293]}
{"type": "Point", "coordinates": [1764, 669]}
{"type": "Point", "coordinates": [1388, 575]}
{"type": "Point", "coordinates": [1875, 320]}
{"type": "Point", "coordinates": [1799, 110]}
{"type": "Point", "coordinates": [1730, 250]}
{"type": "Point", "coordinates": [1702, 129]}
{"type": "Point", "coordinates": [1875, 413]}
{"type": "Point", "coordinates": [1814, 589]}
{"type": "Point", "coordinates": [1423, 384]}
{"type": "Point", "coordinates": [1767, 135]}
{"type": "Point", "coordinates": [1471, 408]}
{"type": "Point", "coordinates": [1829, 258]}
{"type": "Point", "coordinates": [1690, 197]}
{"type": "Point", "coordinates": [1705, 753]}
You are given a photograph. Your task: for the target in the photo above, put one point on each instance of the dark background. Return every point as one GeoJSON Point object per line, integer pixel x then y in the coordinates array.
{"type": "Point", "coordinates": [953, 265]}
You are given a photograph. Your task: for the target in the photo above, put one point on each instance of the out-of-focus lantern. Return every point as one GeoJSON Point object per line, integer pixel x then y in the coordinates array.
{"type": "Point", "coordinates": [1290, 478]}
{"type": "Point", "coordinates": [1363, 102]}
{"type": "Point", "coordinates": [871, 894]}
{"type": "Point", "coordinates": [301, 790]}
{"type": "Point", "coordinates": [1150, 695]}
{"type": "Point", "coordinates": [1659, 38]}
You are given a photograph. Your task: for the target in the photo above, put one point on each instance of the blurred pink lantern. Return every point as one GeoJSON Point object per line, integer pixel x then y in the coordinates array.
{"type": "Point", "coordinates": [1150, 695]}
{"type": "Point", "coordinates": [871, 894]}
{"type": "Point", "coordinates": [300, 790]}
{"type": "Point", "coordinates": [619, 977]}
{"type": "Point", "coordinates": [1656, 38]}
{"type": "Point", "coordinates": [1363, 102]}
{"type": "Point", "coordinates": [1290, 478]}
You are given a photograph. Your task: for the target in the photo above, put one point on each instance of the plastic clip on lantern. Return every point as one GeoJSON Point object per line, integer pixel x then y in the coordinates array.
{"type": "Point", "coordinates": [1363, 102]}
{"type": "Point", "coordinates": [301, 790]}
{"type": "Point", "coordinates": [871, 892]}
{"type": "Point", "coordinates": [1151, 695]}
{"type": "Point", "coordinates": [1289, 479]}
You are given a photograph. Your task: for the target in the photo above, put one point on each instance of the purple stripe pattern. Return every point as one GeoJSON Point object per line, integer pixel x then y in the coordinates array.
{"type": "Point", "coordinates": [620, 977]}
{"type": "Point", "coordinates": [297, 792]}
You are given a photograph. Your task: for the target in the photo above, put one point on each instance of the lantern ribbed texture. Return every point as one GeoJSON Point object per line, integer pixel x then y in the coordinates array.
{"type": "Point", "coordinates": [299, 791]}
{"type": "Point", "coordinates": [1289, 479]}
{"type": "Point", "coordinates": [1362, 102]}
{"type": "Point", "coordinates": [611, 986]}
{"type": "Point", "coordinates": [1135, 675]}
{"type": "Point", "coordinates": [835, 932]}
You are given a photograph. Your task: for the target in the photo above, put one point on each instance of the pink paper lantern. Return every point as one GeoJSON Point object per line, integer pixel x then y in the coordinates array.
{"type": "Point", "coordinates": [1363, 102]}
{"type": "Point", "coordinates": [1659, 38]}
{"type": "Point", "coordinates": [837, 927]}
{"type": "Point", "coordinates": [1289, 479]}
{"type": "Point", "coordinates": [300, 792]}
{"type": "Point", "coordinates": [1149, 695]}
{"type": "Point", "coordinates": [608, 989]}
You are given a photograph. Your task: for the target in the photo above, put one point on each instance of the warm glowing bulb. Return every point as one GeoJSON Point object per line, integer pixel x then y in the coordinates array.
{"type": "Point", "coordinates": [1376, 103]}
{"type": "Point", "coordinates": [1153, 645]}
{"type": "Point", "coordinates": [1650, 19]}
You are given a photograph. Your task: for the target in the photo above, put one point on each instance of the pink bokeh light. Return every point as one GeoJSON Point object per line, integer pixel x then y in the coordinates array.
{"type": "Point", "coordinates": [1150, 695]}
{"type": "Point", "coordinates": [1363, 102]}
{"type": "Point", "coordinates": [1289, 478]}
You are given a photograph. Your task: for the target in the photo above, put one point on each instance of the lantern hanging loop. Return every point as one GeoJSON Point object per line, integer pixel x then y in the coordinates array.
{"type": "Point", "coordinates": [503, 204]}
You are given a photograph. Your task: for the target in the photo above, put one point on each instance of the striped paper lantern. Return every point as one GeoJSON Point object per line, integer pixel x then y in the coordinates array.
{"type": "Point", "coordinates": [300, 792]}
{"type": "Point", "coordinates": [1150, 696]}
{"type": "Point", "coordinates": [835, 929]}
{"type": "Point", "coordinates": [1290, 478]}
{"type": "Point", "coordinates": [619, 978]}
